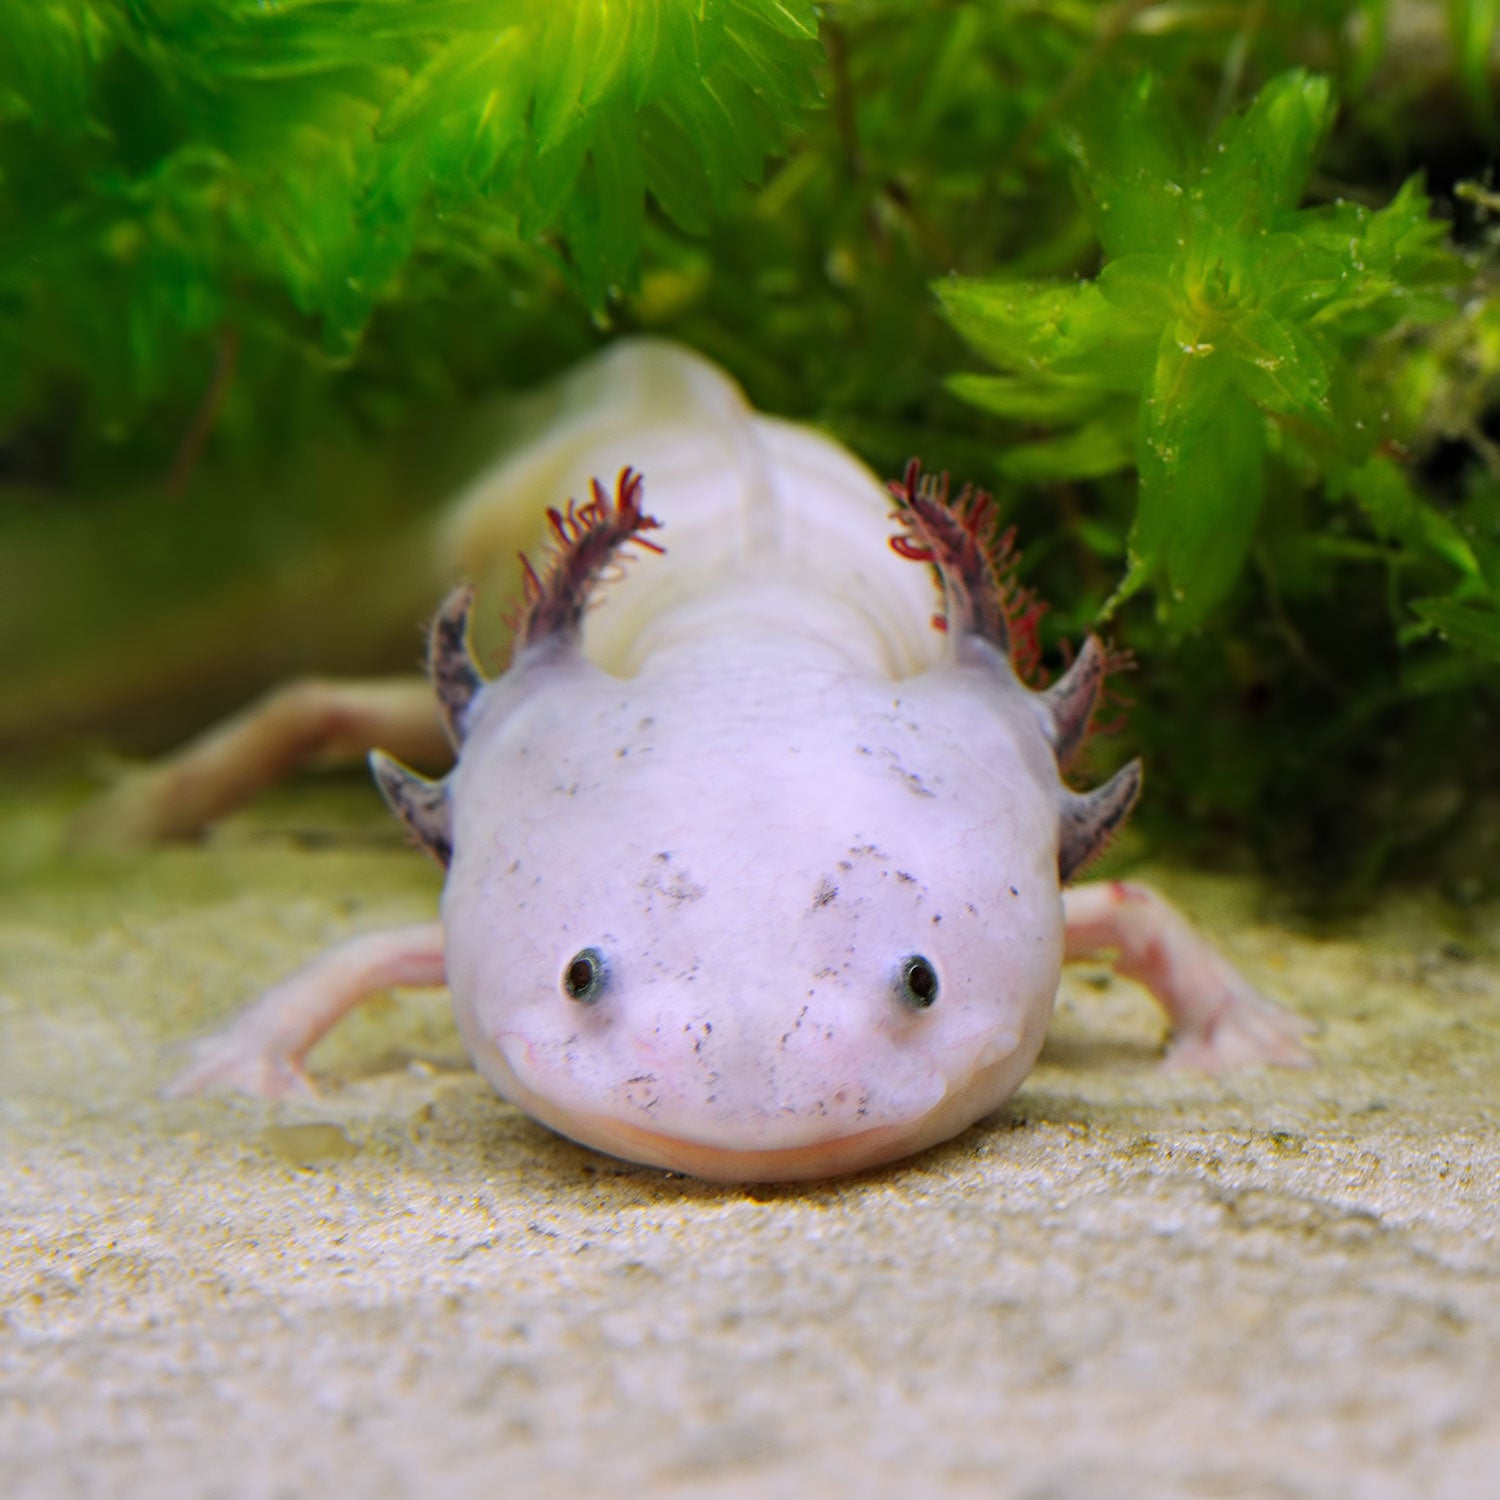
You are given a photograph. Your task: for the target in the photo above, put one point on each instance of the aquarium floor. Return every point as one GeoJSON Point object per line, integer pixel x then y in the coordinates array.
{"type": "Point", "coordinates": [1135, 1283]}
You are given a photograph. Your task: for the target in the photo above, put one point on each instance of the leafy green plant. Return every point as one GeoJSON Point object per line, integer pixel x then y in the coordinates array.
{"type": "Point", "coordinates": [171, 169]}
{"type": "Point", "coordinates": [1224, 331]}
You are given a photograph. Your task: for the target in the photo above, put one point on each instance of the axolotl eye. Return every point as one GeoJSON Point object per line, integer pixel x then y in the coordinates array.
{"type": "Point", "coordinates": [586, 976]}
{"type": "Point", "coordinates": [917, 982]}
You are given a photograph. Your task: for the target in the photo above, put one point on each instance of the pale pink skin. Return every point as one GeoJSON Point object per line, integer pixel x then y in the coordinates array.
{"type": "Point", "coordinates": [763, 783]}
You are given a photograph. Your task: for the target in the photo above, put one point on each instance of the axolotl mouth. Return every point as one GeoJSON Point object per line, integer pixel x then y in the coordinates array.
{"type": "Point", "coordinates": [840, 1129]}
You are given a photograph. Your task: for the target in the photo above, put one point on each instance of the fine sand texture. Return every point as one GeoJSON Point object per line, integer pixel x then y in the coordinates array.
{"type": "Point", "coordinates": [1133, 1283]}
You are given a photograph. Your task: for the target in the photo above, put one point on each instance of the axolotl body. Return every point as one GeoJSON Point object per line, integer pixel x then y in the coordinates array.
{"type": "Point", "coordinates": [755, 853]}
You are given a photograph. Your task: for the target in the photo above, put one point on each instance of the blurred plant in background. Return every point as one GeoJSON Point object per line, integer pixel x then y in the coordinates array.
{"type": "Point", "coordinates": [174, 173]}
{"type": "Point", "coordinates": [1206, 292]}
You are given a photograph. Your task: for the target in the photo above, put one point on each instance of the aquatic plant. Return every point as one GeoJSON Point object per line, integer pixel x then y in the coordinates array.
{"type": "Point", "coordinates": [1205, 293]}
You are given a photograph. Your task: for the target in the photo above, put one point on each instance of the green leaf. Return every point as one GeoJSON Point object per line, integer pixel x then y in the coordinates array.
{"type": "Point", "coordinates": [1472, 26]}
{"type": "Point", "coordinates": [1201, 457]}
{"type": "Point", "coordinates": [1094, 449]}
{"type": "Point", "coordinates": [1005, 320]}
{"type": "Point", "coordinates": [1134, 160]}
{"type": "Point", "coordinates": [1470, 627]}
{"type": "Point", "coordinates": [1144, 285]}
{"type": "Point", "coordinates": [46, 66]}
{"type": "Point", "coordinates": [619, 179]}
{"type": "Point", "coordinates": [1279, 365]}
{"type": "Point", "coordinates": [1373, 30]}
{"type": "Point", "coordinates": [1399, 513]}
{"type": "Point", "coordinates": [1262, 160]}
{"type": "Point", "coordinates": [1053, 332]}
{"type": "Point", "coordinates": [581, 52]}
{"type": "Point", "coordinates": [1029, 400]}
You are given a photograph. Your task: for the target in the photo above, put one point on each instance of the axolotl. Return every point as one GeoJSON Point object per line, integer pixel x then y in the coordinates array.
{"type": "Point", "coordinates": [756, 852]}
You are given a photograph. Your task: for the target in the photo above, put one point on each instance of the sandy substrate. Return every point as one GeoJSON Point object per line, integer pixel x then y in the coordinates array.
{"type": "Point", "coordinates": [1135, 1283]}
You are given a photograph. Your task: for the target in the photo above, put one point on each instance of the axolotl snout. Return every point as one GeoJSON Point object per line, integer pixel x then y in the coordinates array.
{"type": "Point", "coordinates": [754, 865]}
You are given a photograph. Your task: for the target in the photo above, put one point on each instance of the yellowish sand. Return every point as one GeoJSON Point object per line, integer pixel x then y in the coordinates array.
{"type": "Point", "coordinates": [1135, 1283]}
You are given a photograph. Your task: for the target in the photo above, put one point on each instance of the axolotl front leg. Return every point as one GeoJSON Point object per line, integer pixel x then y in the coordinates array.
{"type": "Point", "coordinates": [1219, 1019]}
{"type": "Point", "coordinates": [263, 1050]}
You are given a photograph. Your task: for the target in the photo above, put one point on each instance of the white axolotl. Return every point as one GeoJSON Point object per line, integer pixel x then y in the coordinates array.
{"type": "Point", "coordinates": [754, 870]}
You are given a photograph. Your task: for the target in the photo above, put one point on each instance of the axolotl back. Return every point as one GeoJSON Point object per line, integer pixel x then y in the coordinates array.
{"type": "Point", "coordinates": [753, 869]}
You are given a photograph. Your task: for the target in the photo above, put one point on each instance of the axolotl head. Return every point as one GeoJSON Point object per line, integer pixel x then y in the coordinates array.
{"type": "Point", "coordinates": [753, 938]}
{"type": "Point", "coordinates": [768, 918]}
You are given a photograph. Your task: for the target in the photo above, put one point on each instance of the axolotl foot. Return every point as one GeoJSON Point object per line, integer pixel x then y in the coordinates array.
{"type": "Point", "coordinates": [262, 1049]}
{"type": "Point", "coordinates": [1219, 1019]}
{"type": "Point", "coordinates": [235, 1060]}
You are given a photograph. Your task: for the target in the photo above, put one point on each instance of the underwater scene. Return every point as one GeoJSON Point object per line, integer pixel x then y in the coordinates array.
{"type": "Point", "coordinates": [750, 747]}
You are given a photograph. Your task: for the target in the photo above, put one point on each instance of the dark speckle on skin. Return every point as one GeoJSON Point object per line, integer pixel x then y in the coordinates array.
{"type": "Point", "coordinates": [677, 885]}
{"type": "Point", "coordinates": [913, 783]}
{"type": "Point", "coordinates": [1014, 891]}
{"type": "Point", "coordinates": [845, 866]}
{"type": "Point", "coordinates": [647, 723]}
{"type": "Point", "coordinates": [905, 879]}
{"type": "Point", "coordinates": [826, 892]}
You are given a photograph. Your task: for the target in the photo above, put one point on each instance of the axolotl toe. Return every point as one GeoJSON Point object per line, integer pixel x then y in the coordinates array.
{"type": "Point", "coordinates": [756, 852]}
